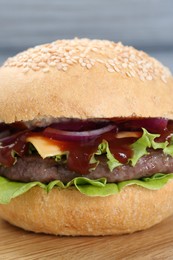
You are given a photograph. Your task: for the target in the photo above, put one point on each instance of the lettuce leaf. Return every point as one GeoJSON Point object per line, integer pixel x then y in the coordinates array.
{"type": "Point", "coordinates": [139, 148]}
{"type": "Point", "coordinates": [100, 187]}
{"type": "Point", "coordinates": [169, 149]}
{"type": "Point", "coordinates": [147, 140]}
{"type": "Point", "coordinates": [103, 148]}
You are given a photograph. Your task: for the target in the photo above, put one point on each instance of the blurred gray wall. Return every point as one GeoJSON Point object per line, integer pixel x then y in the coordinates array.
{"type": "Point", "coordinates": [145, 24]}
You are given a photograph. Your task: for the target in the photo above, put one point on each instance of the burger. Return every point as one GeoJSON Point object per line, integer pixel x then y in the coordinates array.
{"type": "Point", "coordinates": [86, 139]}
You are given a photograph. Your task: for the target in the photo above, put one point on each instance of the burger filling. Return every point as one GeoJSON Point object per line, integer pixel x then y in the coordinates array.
{"type": "Point", "coordinates": [114, 150]}
{"type": "Point", "coordinates": [33, 168]}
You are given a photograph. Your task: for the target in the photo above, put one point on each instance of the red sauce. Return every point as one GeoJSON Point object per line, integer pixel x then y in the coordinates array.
{"type": "Point", "coordinates": [79, 156]}
{"type": "Point", "coordinates": [17, 145]}
{"type": "Point", "coordinates": [121, 150]}
{"type": "Point", "coordinates": [166, 134]}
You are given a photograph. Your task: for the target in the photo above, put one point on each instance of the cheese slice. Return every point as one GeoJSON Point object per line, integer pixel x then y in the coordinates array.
{"type": "Point", "coordinates": [128, 134]}
{"type": "Point", "coordinates": [44, 146]}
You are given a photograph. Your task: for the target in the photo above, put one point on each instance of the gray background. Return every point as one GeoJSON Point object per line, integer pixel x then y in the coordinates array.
{"type": "Point", "coordinates": [145, 24]}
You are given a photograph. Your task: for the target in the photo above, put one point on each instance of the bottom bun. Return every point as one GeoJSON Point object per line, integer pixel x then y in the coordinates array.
{"type": "Point", "coordinates": [68, 212]}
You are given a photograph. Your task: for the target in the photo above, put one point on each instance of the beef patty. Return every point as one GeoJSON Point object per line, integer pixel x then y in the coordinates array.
{"type": "Point", "coordinates": [34, 168]}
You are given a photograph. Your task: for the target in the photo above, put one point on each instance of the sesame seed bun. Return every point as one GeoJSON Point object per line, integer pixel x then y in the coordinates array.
{"type": "Point", "coordinates": [84, 79]}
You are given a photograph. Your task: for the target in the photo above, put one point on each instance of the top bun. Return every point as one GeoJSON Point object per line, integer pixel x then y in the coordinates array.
{"type": "Point", "coordinates": [84, 78]}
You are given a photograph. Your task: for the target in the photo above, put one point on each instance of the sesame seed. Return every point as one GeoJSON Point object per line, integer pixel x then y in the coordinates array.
{"type": "Point", "coordinates": [13, 64]}
{"type": "Point", "coordinates": [19, 65]}
{"type": "Point", "coordinates": [81, 60]}
{"type": "Point", "coordinates": [149, 77]}
{"type": "Point", "coordinates": [111, 70]}
{"type": "Point", "coordinates": [111, 62]}
{"type": "Point", "coordinates": [82, 55]}
{"type": "Point", "coordinates": [94, 49]}
{"type": "Point", "coordinates": [37, 60]}
{"type": "Point", "coordinates": [100, 61]}
{"type": "Point", "coordinates": [126, 60]}
{"type": "Point", "coordinates": [89, 66]}
{"type": "Point", "coordinates": [142, 78]}
{"type": "Point", "coordinates": [45, 69]}
{"type": "Point", "coordinates": [52, 64]}
{"type": "Point", "coordinates": [64, 68]}
{"type": "Point", "coordinates": [45, 50]}
{"type": "Point", "coordinates": [124, 65]}
{"type": "Point", "coordinates": [108, 66]}
{"type": "Point", "coordinates": [76, 57]}
{"type": "Point", "coordinates": [25, 70]}
{"type": "Point", "coordinates": [53, 50]}
{"type": "Point", "coordinates": [116, 69]}
{"type": "Point", "coordinates": [74, 61]}
{"type": "Point", "coordinates": [62, 59]}
{"type": "Point", "coordinates": [163, 79]}
{"type": "Point", "coordinates": [35, 68]}
{"type": "Point", "coordinates": [133, 74]}
{"type": "Point", "coordinates": [41, 64]}
{"type": "Point", "coordinates": [53, 57]}
{"type": "Point", "coordinates": [128, 74]}
{"type": "Point", "coordinates": [70, 62]}
{"type": "Point", "coordinates": [59, 66]}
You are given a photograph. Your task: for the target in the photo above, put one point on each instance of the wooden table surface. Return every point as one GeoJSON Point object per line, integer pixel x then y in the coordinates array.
{"type": "Point", "coordinates": [155, 243]}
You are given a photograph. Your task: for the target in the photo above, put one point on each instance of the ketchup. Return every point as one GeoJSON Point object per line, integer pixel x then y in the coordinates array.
{"type": "Point", "coordinates": [79, 153]}
{"type": "Point", "coordinates": [11, 146]}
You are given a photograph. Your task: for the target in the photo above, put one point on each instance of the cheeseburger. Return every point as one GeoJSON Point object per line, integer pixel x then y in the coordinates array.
{"type": "Point", "coordinates": [86, 139]}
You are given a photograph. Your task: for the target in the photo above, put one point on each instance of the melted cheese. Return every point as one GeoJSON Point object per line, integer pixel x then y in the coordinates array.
{"type": "Point", "coordinates": [44, 146]}
{"type": "Point", "coordinates": [128, 134]}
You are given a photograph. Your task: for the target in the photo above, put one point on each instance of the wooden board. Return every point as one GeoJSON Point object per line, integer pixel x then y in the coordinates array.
{"type": "Point", "coordinates": [155, 243]}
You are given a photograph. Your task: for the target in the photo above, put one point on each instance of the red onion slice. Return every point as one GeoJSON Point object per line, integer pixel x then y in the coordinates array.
{"type": "Point", "coordinates": [79, 125]}
{"type": "Point", "coordinates": [5, 141]}
{"type": "Point", "coordinates": [76, 136]}
{"type": "Point", "coordinates": [153, 125]}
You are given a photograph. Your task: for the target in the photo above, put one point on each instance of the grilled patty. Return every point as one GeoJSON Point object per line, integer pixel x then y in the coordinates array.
{"type": "Point", "coordinates": [34, 168]}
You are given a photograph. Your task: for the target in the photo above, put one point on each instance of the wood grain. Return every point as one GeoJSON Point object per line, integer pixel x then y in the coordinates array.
{"type": "Point", "coordinates": [155, 243]}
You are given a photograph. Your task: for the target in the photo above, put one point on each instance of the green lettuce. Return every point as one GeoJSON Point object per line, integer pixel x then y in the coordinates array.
{"type": "Point", "coordinates": [139, 148]}
{"type": "Point", "coordinates": [11, 189]}
{"type": "Point", "coordinates": [103, 148]}
{"type": "Point", "coordinates": [169, 149]}
{"type": "Point", "coordinates": [100, 187]}
{"type": "Point", "coordinates": [147, 140]}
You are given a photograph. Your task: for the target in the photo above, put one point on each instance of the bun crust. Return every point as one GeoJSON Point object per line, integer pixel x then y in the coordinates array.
{"type": "Point", "coordinates": [68, 212]}
{"type": "Point", "coordinates": [84, 79]}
